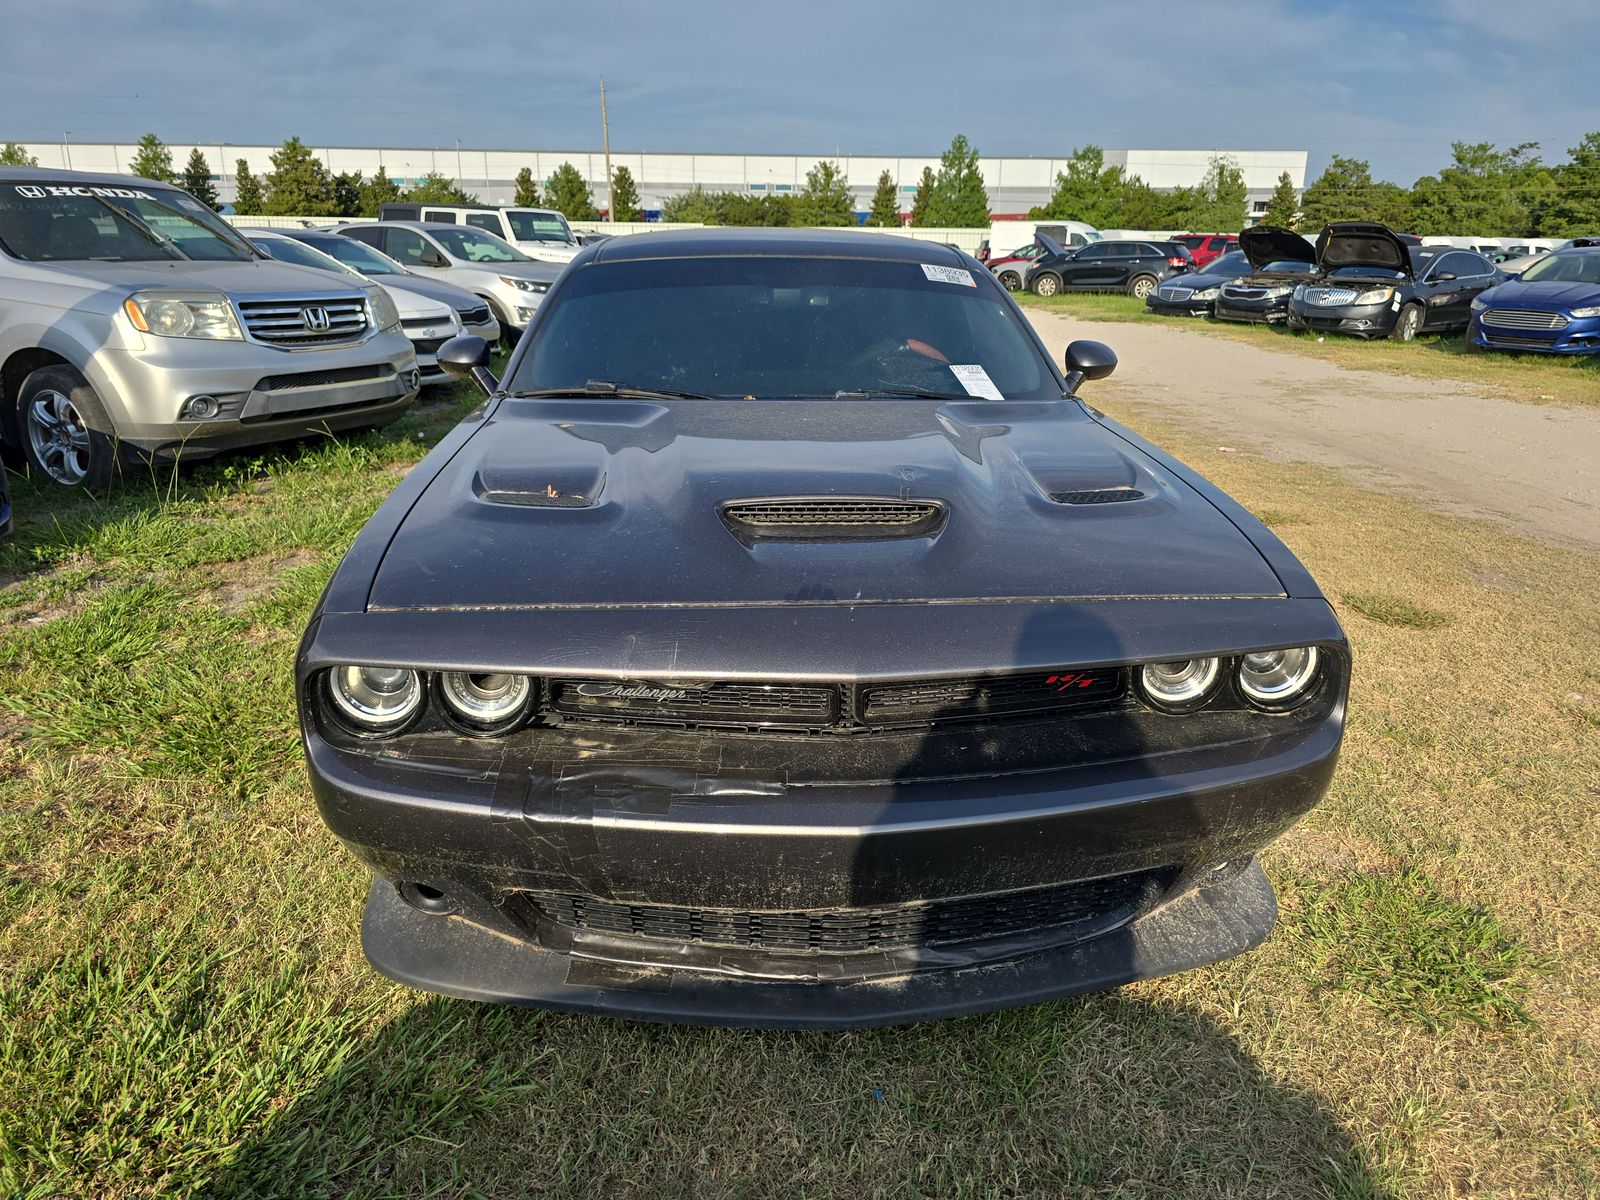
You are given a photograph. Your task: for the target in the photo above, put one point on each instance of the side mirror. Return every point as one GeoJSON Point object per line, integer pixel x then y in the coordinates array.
{"type": "Point", "coordinates": [1087, 360]}
{"type": "Point", "coordinates": [432, 258]}
{"type": "Point", "coordinates": [466, 356]}
{"type": "Point", "coordinates": [1444, 276]}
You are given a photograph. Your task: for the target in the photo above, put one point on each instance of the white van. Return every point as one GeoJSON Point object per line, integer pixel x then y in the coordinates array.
{"type": "Point", "coordinates": [1006, 237]}
{"type": "Point", "coordinates": [540, 233]}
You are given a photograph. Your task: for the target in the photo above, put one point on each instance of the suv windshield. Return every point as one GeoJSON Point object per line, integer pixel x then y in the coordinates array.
{"type": "Point", "coordinates": [357, 255]}
{"type": "Point", "coordinates": [73, 222]}
{"type": "Point", "coordinates": [474, 245]}
{"type": "Point", "coordinates": [783, 328]}
{"type": "Point", "coordinates": [1565, 268]}
{"type": "Point", "coordinates": [539, 227]}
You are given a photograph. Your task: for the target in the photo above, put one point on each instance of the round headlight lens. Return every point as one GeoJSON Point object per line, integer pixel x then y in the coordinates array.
{"type": "Point", "coordinates": [485, 700]}
{"type": "Point", "coordinates": [1180, 684]}
{"type": "Point", "coordinates": [1274, 678]}
{"type": "Point", "coordinates": [170, 318]}
{"type": "Point", "coordinates": [375, 699]}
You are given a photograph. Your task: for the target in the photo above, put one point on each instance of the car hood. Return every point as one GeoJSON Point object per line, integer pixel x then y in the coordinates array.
{"type": "Point", "coordinates": [596, 502]}
{"type": "Point", "coordinates": [414, 306]}
{"type": "Point", "coordinates": [435, 289]}
{"type": "Point", "coordinates": [236, 278]}
{"type": "Point", "coordinates": [1362, 244]}
{"type": "Point", "coordinates": [1555, 294]}
{"type": "Point", "coordinates": [1271, 243]}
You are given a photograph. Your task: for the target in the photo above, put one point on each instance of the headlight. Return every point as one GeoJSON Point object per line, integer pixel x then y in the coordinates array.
{"type": "Point", "coordinates": [524, 285]}
{"type": "Point", "coordinates": [186, 315]}
{"type": "Point", "coordinates": [1277, 678]}
{"type": "Point", "coordinates": [1479, 304]}
{"type": "Point", "coordinates": [1181, 685]}
{"type": "Point", "coordinates": [384, 314]}
{"type": "Point", "coordinates": [488, 702]}
{"type": "Point", "coordinates": [1299, 291]}
{"type": "Point", "coordinates": [1274, 293]}
{"type": "Point", "coordinates": [375, 700]}
{"type": "Point", "coordinates": [1375, 296]}
{"type": "Point", "coordinates": [1209, 293]}
{"type": "Point", "coordinates": [1591, 310]}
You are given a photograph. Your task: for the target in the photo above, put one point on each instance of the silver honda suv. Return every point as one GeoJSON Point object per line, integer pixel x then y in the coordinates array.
{"type": "Point", "coordinates": [134, 321]}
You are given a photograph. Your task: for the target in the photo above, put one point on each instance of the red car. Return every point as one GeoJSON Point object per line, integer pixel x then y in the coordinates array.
{"type": "Point", "coordinates": [1206, 246]}
{"type": "Point", "coordinates": [1011, 269]}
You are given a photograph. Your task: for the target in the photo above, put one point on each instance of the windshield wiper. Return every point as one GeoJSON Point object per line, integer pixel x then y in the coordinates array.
{"type": "Point", "coordinates": [160, 239]}
{"type": "Point", "coordinates": [623, 391]}
{"type": "Point", "coordinates": [908, 393]}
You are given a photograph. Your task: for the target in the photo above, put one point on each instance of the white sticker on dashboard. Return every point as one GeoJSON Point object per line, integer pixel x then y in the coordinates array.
{"type": "Point", "coordinates": [976, 380]}
{"type": "Point", "coordinates": [949, 275]}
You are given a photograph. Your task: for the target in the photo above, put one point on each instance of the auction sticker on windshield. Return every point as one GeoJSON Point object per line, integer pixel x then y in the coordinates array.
{"type": "Point", "coordinates": [949, 275]}
{"type": "Point", "coordinates": [976, 380]}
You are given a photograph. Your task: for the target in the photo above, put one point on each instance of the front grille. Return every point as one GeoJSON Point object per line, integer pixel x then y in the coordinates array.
{"type": "Point", "coordinates": [831, 519]}
{"type": "Point", "coordinates": [1330, 297]}
{"type": "Point", "coordinates": [298, 323]}
{"type": "Point", "coordinates": [428, 345]}
{"type": "Point", "coordinates": [856, 930]}
{"type": "Point", "coordinates": [1524, 318]}
{"type": "Point", "coordinates": [1174, 294]}
{"type": "Point", "coordinates": [474, 316]}
{"type": "Point", "coordinates": [830, 708]}
{"type": "Point", "coordinates": [308, 379]}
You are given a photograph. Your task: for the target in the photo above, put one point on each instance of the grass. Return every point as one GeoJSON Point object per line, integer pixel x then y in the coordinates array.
{"type": "Point", "coordinates": [184, 1009]}
{"type": "Point", "coordinates": [1530, 378]}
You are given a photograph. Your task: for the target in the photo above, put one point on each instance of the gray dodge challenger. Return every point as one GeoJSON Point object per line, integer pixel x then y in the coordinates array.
{"type": "Point", "coordinates": [784, 643]}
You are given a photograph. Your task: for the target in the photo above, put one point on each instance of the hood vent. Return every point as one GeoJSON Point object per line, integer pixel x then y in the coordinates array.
{"type": "Point", "coordinates": [1112, 495]}
{"type": "Point", "coordinates": [832, 518]}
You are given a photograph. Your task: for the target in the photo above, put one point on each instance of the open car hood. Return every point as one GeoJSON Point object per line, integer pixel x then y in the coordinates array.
{"type": "Point", "coordinates": [1271, 243]}
{"type": "Point", "coordinates": [1362, 244]}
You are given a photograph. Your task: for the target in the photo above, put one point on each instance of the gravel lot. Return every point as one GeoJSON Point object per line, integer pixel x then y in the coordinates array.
{"type": "Point", "coordinates": [1535, 468]}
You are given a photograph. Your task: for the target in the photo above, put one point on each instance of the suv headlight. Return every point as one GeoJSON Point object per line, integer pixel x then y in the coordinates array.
{"type": "Point", "coordinates": [525, 285]}
{"type": "Point", "coordinates": [1588, 310]}
{"type": "Point", "coordinates": [384, 314]}
{"type": "Point", "coordinates": [183, 314]}
{"type": "Point", "coordinates": [1375, 296]}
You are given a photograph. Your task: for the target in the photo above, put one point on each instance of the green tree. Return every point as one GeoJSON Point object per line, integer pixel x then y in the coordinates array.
{"type": "Point", "coordinates": [1343, 192]}
{"type": "Point", "coordinates": [434, 188]}
{"type": "Point", "coordinates": [624, 197]}
{"type": "Point", "coordinates": [568, 193]}
{"type": "Point", "coordinates": [1143, 207]}
{"type": "Point", "coordinates": [1087, 190]}
{"type": "Point", "coordinates": [825, 199]}
{"type": "Point", "coordinates": [1478, 193]}
{"type": "Point", "coordinates": [247, 196]}
{"type": "Point", "coordinates": [197, 179]}
{"type": "Point", "coordinates": [885, 210]}
{"type": "Point", "coordinates": [348, 189]}
{"type": "Point", "coordinates": [696, 206]}
{"type": "Point", "coordinates": [13, 155]}
{"type": "Point", "coordinates": [1575, 207]}
{"type": "Point", "coordinates": [378, 191]}
{"type": "Point", "coordinates": [527, 193]}
{"type": "Point", "coordinates": [298, 184]}
{"type": "Point", "coordinates": [1220, 199]}
{"type": "Point", "coordinates": [1283, 209]}
{"type": "Point", "coordinates": [1390, 204]}
{"type": "Point", "coordinates": [960, 200]}
{"type": "Point", "coordinates": [923, 197]}
{"type": "Point", "coordinates": [153, 160]}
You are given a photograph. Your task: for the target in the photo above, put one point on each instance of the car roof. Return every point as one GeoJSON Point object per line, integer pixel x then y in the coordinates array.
{"type": "Point", "coordinates": [725, 242]}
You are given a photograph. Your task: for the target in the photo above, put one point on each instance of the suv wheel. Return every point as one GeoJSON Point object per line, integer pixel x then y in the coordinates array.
{"type": "Point", "coordinates": [1010, 280]}
{"type": "Point", "coordinates": [57, 411]}
{"type": "Point", "coordinates": [1046, 285]}
{"type": "Point", "coordinates": [1140, 286]}
{"type": "Point", "coordinates": [1409, 324]}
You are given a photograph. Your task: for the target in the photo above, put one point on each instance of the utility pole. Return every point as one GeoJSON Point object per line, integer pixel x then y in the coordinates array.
{"type": "Point", "coordinates": [605, 134]}
{"type": "Point", "coordinates": [66, 146]}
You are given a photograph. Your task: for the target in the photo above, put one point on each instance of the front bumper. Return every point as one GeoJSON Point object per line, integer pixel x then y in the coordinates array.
{"type": "Point", "coordinates": [265, 393]}
{"type": "Point", "coordinates": [1360, 320]}
{"type": "Point", "coordinates": [1177, 308]}
{"type": "Point", "coordinates": [1581, 336]}
{"type": "Point", "coordinates": [1270, 311]}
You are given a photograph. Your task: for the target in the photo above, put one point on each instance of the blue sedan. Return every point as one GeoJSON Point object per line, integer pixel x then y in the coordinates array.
{"type": "Point", "coordinates": [1553, 308]}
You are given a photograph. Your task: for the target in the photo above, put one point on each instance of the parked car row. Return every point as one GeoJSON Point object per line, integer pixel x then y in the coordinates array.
{"type": "Point", "coordinates": [1137, 267]}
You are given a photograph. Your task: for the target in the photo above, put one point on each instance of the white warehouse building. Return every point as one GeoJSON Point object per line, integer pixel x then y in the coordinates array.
{"type": "Point", "coordinates": [1015, 184]}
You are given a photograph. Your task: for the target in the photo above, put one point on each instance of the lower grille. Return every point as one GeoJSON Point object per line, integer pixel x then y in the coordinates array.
{"type": "Point", "coordinates": [1524, 318]}
{"type": "Point", "coordinates": [309, 379]}
{"type": "Point", "coordinates": [855, 930]}
{"type": "Point", "coordinates": [428, 345]}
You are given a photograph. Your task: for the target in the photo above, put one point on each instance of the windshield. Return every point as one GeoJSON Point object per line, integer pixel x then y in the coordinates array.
{"type": "Point", "coordinates": [290, 251]}
{"type": "Point", "coordinates": [356, 255]}
{"type": "Point", "coordinates": [474, 245]}
{"type": "Point", "coordinates": [1289, 264]}
{"type": "Point", "coordinates": [784, 328]}
{"type": "Point", "coordinates": [73, 222]}
{"type": "Point", "coordinates": [1367, 272]}
{"type": "Point", "coordinates": [1564, 268]}
{"type": "Point", "coordinates": [540, 227]}
{"type": "Point", "coordinates": [1232, 263]}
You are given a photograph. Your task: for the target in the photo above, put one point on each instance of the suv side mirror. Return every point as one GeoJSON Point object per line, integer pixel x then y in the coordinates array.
{"type": "Point", "coordinates": [467, 356]}
{"type": "Point", "coordinates": [432, 258]}
{"type": "Point", "coordinates": [1085, 360]}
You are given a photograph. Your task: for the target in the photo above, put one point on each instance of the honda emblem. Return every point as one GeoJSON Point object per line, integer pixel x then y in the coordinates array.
{"type": "Point", "coordinates": [316, 318]}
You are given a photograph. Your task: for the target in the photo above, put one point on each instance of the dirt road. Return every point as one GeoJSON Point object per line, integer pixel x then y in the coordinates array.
{"type": "Point", "coordinates": [1534, 468]}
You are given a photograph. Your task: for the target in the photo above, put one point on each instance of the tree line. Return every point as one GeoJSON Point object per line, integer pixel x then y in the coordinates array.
{"type": "Point", "coordinates": [1107, 197]}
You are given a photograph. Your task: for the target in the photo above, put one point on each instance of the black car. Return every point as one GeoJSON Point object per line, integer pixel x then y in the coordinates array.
{"type": "Point", "coordinates": [1193, 293]}
{"type": "Point", "coordinates": [784, 644]}
{"type": "Point", "coordinates": [1279, 258]}
{"type": "Point", "coordinates": [1372, 283]}
{"type": "Point", "coordinates": [1134, 267]}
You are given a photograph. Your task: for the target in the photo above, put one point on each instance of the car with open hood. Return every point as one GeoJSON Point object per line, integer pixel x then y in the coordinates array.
{"type": "Point", "coordinates": [1193, 293]}
{"type": "Point", "coordinates": [135, 323]}
{"type": "Point", "coordinates": [1279, 259]}
{"type": "Point", "coordinates": [1551, 308]}
{"type": "Point", "coordinates": [1372, 282]}
{"type": "Point", "coordinates": [783, 643]}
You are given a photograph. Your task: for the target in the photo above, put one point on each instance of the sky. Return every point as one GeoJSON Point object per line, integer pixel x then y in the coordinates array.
{"type": "Point", "coordinates": [1393, 83]}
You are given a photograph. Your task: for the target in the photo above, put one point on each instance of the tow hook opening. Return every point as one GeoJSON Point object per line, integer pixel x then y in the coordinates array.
{"type": "Point", "coordinates": [426, 898]}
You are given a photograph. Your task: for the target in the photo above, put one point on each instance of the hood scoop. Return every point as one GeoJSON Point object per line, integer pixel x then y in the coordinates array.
{"type": "Point", "coordinates": [1107, 495]}
{"type": "Point", "coordinates": [832, 518]}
